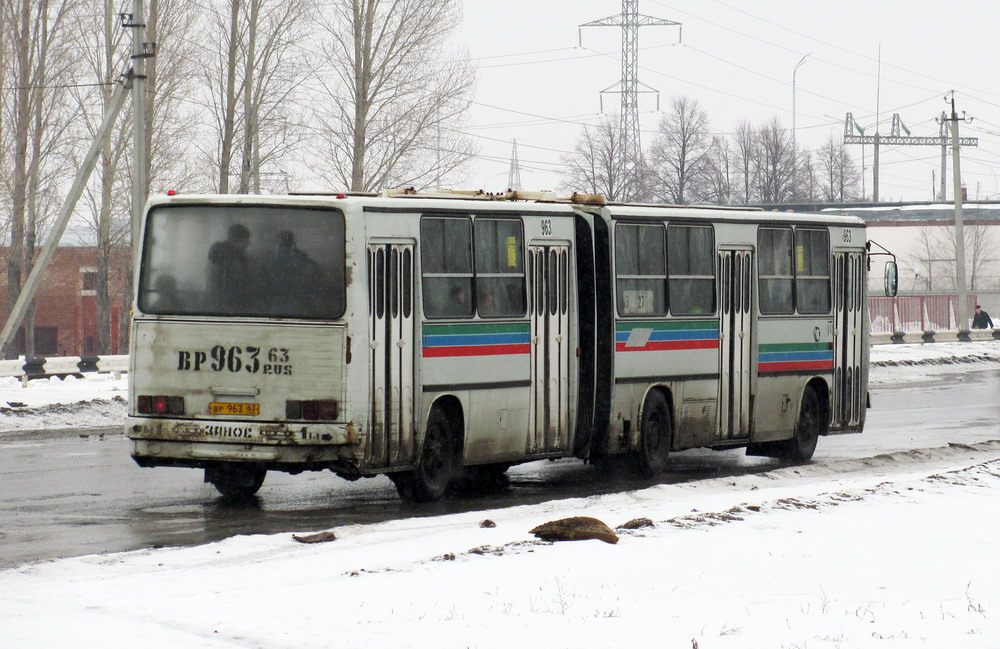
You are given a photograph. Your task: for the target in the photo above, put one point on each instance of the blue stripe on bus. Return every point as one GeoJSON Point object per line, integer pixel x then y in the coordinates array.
{"type": "Point", "coordinates": [659, 336]}
{"type": "Point", "coordinates": [790, 357]}
{"type": "Point", "coordinates": [477, 339]}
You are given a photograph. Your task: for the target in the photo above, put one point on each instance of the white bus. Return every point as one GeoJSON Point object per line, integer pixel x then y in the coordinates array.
{"type": "Point", "coordinates": [433, 338]}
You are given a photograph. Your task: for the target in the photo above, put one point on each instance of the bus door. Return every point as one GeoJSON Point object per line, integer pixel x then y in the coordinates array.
{"type": "Point", "coordinates": [848, 328]}
{"type": "Point", "coordinates": [391, 333]}
{"type": "Point", "coordinates": [549, 285]}
{"type": "Point", "coordinates": [735, 351]}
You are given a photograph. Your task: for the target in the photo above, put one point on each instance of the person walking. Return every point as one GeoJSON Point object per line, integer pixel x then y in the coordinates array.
{"type": "Point", "coordinates": [982, 319]}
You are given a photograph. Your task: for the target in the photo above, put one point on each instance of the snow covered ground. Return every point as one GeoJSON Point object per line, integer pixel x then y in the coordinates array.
{"type": "Point", "coordinates": [893, 551]}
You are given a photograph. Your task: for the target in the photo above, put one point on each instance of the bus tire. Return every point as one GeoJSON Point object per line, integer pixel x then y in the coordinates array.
{"type": "Point", "coordinates": [435, 469]}
{"type": "Point", "coordinates": [236, 480]}
{"type": "Point", "coordinates": [655, 435]}
{"type": "Point", "coordinates": [802, 445]}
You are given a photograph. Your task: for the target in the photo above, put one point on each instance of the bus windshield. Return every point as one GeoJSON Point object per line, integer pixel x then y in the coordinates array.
{"type": "Point", "coordinates": [243, 260]}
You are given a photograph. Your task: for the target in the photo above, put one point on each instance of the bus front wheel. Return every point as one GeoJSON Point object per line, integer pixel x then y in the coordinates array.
{"type": "Point", "coordinates": [436, 466]}
{"type": "Point", "coordinates": [236, 480]}
{"type": "Point", "coordinates": [654, 437]}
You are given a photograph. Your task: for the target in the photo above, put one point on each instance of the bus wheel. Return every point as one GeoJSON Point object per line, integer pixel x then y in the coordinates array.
{"type": "Point", "coordinates": [236, 480]}
{"type": "Point", "coordinates": [436, 467]}
{"type": "Point", "coordinates": [654, 437]}
{"type": "Point", "coordinates": [802, 445]}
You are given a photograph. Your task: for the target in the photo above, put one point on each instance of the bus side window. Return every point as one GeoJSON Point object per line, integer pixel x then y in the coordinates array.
{"type": "Point", "coordinates": [500, 288]}
{"type": "Point", "coordinates": [640, 268]}
{"type": "Point", "coordinates": [691, 265]}
{"type": "Point", "coordinates": [775, 270]}
{"type": "Point", "coordinates": [446, 258]}
{"type": "Point", "coordinates": [812, 271]}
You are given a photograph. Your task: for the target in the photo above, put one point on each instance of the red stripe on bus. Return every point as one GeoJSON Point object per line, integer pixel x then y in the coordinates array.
{"type": "Point", "coordinates": [476, 350]}
{"type": "Point", "coordinates": [795, 366]}
{"type": "Point", "coordinates": [661, 345]}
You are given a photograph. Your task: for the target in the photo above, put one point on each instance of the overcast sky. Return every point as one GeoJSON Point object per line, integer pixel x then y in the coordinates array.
{"type": "Point", "coordinates": [737, 57]}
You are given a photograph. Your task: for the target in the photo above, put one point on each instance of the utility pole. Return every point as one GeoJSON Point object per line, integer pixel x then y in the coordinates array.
{"type": "Point", "coordinates": [963, 296]}
{"type": "Point", "coordinates": [945, 137]}
{"type": "Point", "coordinates": [132, 81]}
{"type": "Point", "coordinates": [895, 139]}
{"type": "Point", "coordinates": [514, 175]}
{"type": "Point", "coordinates": [141, 50]}
{"type": "Point", "coordinates": [630, 20]}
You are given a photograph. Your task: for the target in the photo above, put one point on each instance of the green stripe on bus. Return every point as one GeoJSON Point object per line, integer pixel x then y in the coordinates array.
{"type": "Point", "coordinates": [629, 325]}
{"type": "Point", "coordinates": [477, 328]}
{"type": "Point", "coordinates": [794, 347]}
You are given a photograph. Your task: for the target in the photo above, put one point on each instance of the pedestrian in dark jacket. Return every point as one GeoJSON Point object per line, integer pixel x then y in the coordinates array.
{"type": "Point", "coordinates": [982, 319]}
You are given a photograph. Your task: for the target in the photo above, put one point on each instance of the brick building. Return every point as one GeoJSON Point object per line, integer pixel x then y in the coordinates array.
{"type": "Point", "coordinates": [66, 303]}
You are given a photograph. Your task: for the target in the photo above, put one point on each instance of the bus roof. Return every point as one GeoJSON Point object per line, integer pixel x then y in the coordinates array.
{"type": "Point", "coordinates": [536, 202]}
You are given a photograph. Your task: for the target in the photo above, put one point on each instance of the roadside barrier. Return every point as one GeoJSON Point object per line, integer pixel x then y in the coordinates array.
{"type": "Point", "coordinates": [947, 336]}
{"type": "Point", "coordinates": [41, 367]}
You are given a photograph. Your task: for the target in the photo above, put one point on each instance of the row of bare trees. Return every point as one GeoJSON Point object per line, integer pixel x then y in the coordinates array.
{"type": "Point", "coordinates": [240, 95]}
{"type": "Point", "coordinates": [686, 163]}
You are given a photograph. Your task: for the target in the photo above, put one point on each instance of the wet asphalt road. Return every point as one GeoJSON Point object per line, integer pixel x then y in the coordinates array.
{"type": "Point", "coordinates": [68, 494]}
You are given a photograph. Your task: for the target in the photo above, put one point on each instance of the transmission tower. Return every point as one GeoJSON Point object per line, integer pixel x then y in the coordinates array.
{"type": "Point", "coordinates": [898, 139]}
{"type": "Point", "coordinates": [514, 177]}
{"type": "Point", "coordinates": [630, 20]}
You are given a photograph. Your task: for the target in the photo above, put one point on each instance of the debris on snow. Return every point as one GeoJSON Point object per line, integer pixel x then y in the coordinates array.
{"type": "Point", "coordinates": [575, 528]}
{"type": "Point", "coordinates": [319, 537]}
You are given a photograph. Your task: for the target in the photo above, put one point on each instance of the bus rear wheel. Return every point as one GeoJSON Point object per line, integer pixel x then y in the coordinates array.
{"type": "Point", "coordinates": [802, 445]}
{"type": "Point", "coordinates": [435, 469]}
{"type": "Point", "coordinates": [236, 480]}
{"type": "Point", "coordinates": [654, 437]}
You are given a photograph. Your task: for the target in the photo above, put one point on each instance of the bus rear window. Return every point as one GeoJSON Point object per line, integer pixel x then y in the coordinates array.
{"type": "Point", "coordinates": [243, 260]}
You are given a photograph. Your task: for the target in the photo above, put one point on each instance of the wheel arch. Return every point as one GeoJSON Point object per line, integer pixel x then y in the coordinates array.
{"type": "Point", "coordinates": [454, 412]}
{"type": "Point", "coordinates": [822, 390]}
{"type": "Point", "coordinates": [668, 395]}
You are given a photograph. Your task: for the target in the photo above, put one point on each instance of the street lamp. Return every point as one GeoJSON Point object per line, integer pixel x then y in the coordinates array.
{"type": "Point", "coordinates": [796, 69]}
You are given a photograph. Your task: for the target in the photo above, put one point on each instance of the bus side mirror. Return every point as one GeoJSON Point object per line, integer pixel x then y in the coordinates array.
{"type": "Point", "coordinates": [891, 279]}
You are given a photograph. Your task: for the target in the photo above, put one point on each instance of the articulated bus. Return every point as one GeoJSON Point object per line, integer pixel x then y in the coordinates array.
{"type": "Point", "coordinates": [438, 338]}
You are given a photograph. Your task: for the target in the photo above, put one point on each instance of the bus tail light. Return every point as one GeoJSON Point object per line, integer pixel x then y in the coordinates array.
{"type": "Point", "coordinates": [319, 410]}
{"type": "Point", "coordinates": [160, 405]}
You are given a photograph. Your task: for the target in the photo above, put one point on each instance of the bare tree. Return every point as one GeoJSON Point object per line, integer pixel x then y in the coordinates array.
{"type": "Point", "coordinates": [35, 113]}
{"type": "Point", "coordinates": [745, 154]}
{"type": "Point", "coordinates": [258, 70]}
{"type": "Point", "coordinates": [839, 176]}
{"type": "Point", "coordinates": [935, 248]}
{"type": "Point", "coordinates": [394, 92]}
{"type": "Point", "coordinates": [719, 172]}
{"type": "Point", "coordinates": [679, 156]}
{"type": "Point", "coordinates": [595, 166]}
{"type": "Point", "coordinates": [806, 179]}
{"type": "Point", "coordinates": [775, 166]}
{"type": "Point", "coordinates": [102, 56]}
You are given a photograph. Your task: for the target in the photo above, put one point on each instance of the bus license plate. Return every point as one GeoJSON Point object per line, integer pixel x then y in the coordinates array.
{"type": "Point", "coordinates": [239, 409]}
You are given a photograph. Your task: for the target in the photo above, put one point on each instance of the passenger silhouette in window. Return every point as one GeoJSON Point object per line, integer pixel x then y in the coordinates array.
{"type": "Point", "coordinates": [295, 281]}
{"type": "Point", "coordinates": [229, 273]}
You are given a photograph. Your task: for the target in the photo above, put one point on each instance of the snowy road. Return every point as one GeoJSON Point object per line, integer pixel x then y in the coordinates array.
{"type": "Point", "coordinates": [68, 495]}
{"type": "Point", "coordinates": [891, 550]}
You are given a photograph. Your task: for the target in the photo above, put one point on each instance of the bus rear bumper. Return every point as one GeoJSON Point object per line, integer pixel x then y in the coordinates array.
{"type": "Point", "coordinates": [186, 443]}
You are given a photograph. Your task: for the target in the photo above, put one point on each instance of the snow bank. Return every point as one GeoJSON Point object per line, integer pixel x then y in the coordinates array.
{"type": "Point", "coordinates": [895, 552]}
